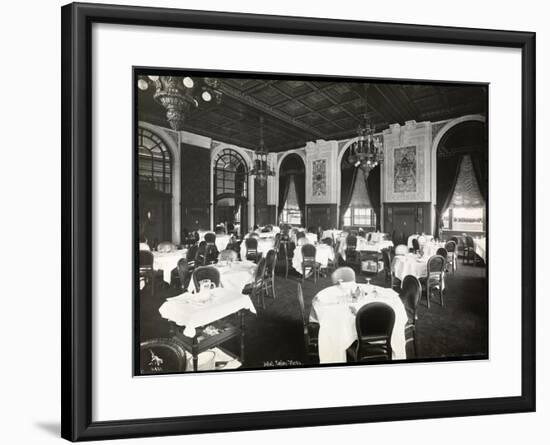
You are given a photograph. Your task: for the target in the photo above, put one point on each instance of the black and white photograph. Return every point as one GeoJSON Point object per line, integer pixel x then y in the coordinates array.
{"type": "Point", "coordinates": [288, 221]}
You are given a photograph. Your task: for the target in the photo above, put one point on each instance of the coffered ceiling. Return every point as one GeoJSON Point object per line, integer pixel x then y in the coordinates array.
{"type": "Point", "coordinates": [297, 111]}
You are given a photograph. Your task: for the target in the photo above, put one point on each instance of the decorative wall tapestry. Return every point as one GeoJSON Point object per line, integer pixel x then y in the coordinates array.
{"type": "Point", "coordinates": [404, 179]}
{"type": "Point", "coordinates": [319, 178]}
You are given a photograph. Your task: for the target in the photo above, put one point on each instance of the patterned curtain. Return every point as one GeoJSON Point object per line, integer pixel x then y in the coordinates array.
{"type": "Point", "coordinates": [467, 192]}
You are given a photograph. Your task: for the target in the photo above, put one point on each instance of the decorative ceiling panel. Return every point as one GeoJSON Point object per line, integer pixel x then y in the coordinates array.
{"type": "Point", "coordinates": [298, 111]}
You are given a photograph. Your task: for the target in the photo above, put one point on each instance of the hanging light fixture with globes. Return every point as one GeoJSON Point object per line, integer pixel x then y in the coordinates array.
{"type": "Point", "coordinates": [367, 152]}
{"type": "Point", "coordinates": [261, 170]}
{"type": "Point", "coordinates": [180, 95]}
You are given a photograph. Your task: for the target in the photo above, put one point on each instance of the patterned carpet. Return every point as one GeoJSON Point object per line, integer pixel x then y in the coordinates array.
{"type": "Point", "coordinates": [274, 336]}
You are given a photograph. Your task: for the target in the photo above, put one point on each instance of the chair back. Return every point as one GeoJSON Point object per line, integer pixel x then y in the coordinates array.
{"type": "Point", "coordinates": [386, 258]}
{"type": "Point", "coordinates": [369, 237]}
{"type": "Point", "coordinates": [351, 242]}
{"type": "Point", "coordinates": [183, 272]}
{"type": "Point", "coordinates": [374, 321]}
{"type": "Point", "coordinates": [450, 246]}
{"type": "Point", "coordinates": [192, 255]}
{"type": "Point", "coordinates": [415, 244]}
{"type": "Point", "coordinates": [299, 235]}
{"type": "Point", "coordinates": [146, 260]}
{"type": "Point", "coordinates": [211, 254]}
{"type": "Point", "coordinates": [442, 252]}
{"type": "Point", "coordinates": [309, 252]}
{"type": "Point", "coordinates": [228, 255]}
{"type": "Point", "coordinates": [210, 238]}
{"type": "Point", "coordinates": [300, 296]}
{"type": "Point", "coordinates": [401, 249]}
{"type": "Point", "coordinates": [270, 262]}
{"type": "Point", "coordinates": [161, 355]}
{"type": "Point", "coordinates": [206, 273]}
{"type": "Point", "coordinates": [411, 291]}
{"type": "Point", "coordinates": [469, 241]}
{"type": "Point", "coordinates": [166, 247]}
{"type": "Point", "coordinates": [344, 274]}
{"type": "Point", "coordinates": [251, 245]}
{"type": "Point", "coordinates": [436, 266]}
{"type": "Point", "coordinates": [260, 271]}
{"type": "Point", "coordinates": [328, 241]}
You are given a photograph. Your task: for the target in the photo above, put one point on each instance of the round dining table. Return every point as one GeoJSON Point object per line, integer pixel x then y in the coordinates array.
{"type": "Point", "coordinates": [168, 261]}
{"type": "Point", "coordinates": [335, 311]}
{"type": "Point", "coordinates": [410, 264]}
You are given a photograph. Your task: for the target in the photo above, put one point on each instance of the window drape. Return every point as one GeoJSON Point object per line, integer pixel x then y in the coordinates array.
{"type": "Point", "coordinates": [346, 192]}
{"type": "Point", "coordinates": [300, 182]}
{"type": "Point", "coordinates": [481, 173]}
{"type": "Point", "coordinates": [284, 185]}
{"type": "Point", "coordinates": [373, 190]}
{"type": "Point", "coordinates": [447, 175]}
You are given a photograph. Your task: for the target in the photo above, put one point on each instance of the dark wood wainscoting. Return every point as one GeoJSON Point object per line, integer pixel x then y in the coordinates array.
{"type": "Point", "coordinates": [321, 215]}
{"type": "Point", "coordinates": [404, 219]}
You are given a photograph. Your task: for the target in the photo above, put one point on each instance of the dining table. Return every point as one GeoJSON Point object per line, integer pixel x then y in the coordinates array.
{"type": "Point", "coordinates": [168, 261]}
{"type": "Point", "coordinates": [335, 311]}
{"type": "Point", "coordinates": [196, 311]}
{"type": "Point", "coordinates": [264, 246]}
{"type": "Point", "coordinates": [235, 275]}
{"type": "Point", "coordinates": [364, 246]}
{"type": "Point", "coordinates": [428, 238]}
{"type": "Point", "coordinates": [323, 254]}
{"type": "Point", "coordinates": [410, 264]}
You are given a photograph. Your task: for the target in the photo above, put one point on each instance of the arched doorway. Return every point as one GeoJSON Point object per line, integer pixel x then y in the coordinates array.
{"type": "Point", "coordinates": [231, 191]}
{"type": "Point", "coordinates": [462, 180]}
{"type": "Point", "coordinates": [292, 191]}
{"type": "Point", "coordinates": [155, 187]}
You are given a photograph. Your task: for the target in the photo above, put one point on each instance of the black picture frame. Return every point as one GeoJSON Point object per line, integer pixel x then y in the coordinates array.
{"type": "Point", "coordinates": [76, 394]}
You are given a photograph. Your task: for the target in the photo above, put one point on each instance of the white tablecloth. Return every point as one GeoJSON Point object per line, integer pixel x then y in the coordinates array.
{"type": "Point", "coordinates": [429, 238]}
{"type": "Point", "coordinates": [376, 236]}
{"type": "Point", "coordinates": [222, 241]}
{"type": "Point", "coordinates": [410, 264]}
{"type": "Point", "coordinates": [184, 311]}
{"type": "Point", "coordinates": [337, 323]}
{"type": "Point", "coordinates": [167, 262]}
{"type": "Point", "coordinates": [236, 275]}
{"type": "Point", "coordinates": [430, 248]}
{"type": "Point", "coordinates": [323, 254]}
{"type": "Point", "coordinates": [331, 234]}
{"type": "Point", "coordinates": [264, 246]}
{"type": "Point", "coordinates": [480, 247]}
{"type": "Point", "coordinates": [365, 246]}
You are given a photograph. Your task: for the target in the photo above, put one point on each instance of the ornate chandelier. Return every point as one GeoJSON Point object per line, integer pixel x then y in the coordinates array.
{"type": "Point", "coordinates": [261, 170]}
{"type": "Point", "coordinates": [367, 152]}
{"type": "Point", "coordinates": [180, 95]}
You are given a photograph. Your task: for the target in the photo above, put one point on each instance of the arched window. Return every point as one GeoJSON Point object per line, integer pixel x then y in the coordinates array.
{"type": "Point", "coordinates": [231, 190]}
{"type": "Point", "coordinates": [154, 162]}
{"type": "Point", "coordinates": [231, 174]}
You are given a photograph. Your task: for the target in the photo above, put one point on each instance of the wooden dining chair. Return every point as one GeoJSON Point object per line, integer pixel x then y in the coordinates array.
{"type": "Point", "coordinates": [161, 356]}
{"type": "Point", "coordinates": [469, 256]}
{"type": "Point", "coordinates": [309, 261]}
{"type": "Point", "coordinates": [310, 329]}
{"type": "Point", "coordinates": [374, 323]}
{"type": "Point", "coordinates": [343, 274]}
{"type": "Point", "coordinates": [269, 278]}
{"type": "Point", "coordinates": [147, 275]}
{"type": "Point", "coordinates": [251, 245]}
{"type": "Point", "coordinates": [434, 282]}
{"type": "Point", "coordinates": [451, 248]}
{"type": "Point", "coordinates": [411, 292]}
{"type": "Point", "coordinates": [256, 289]}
